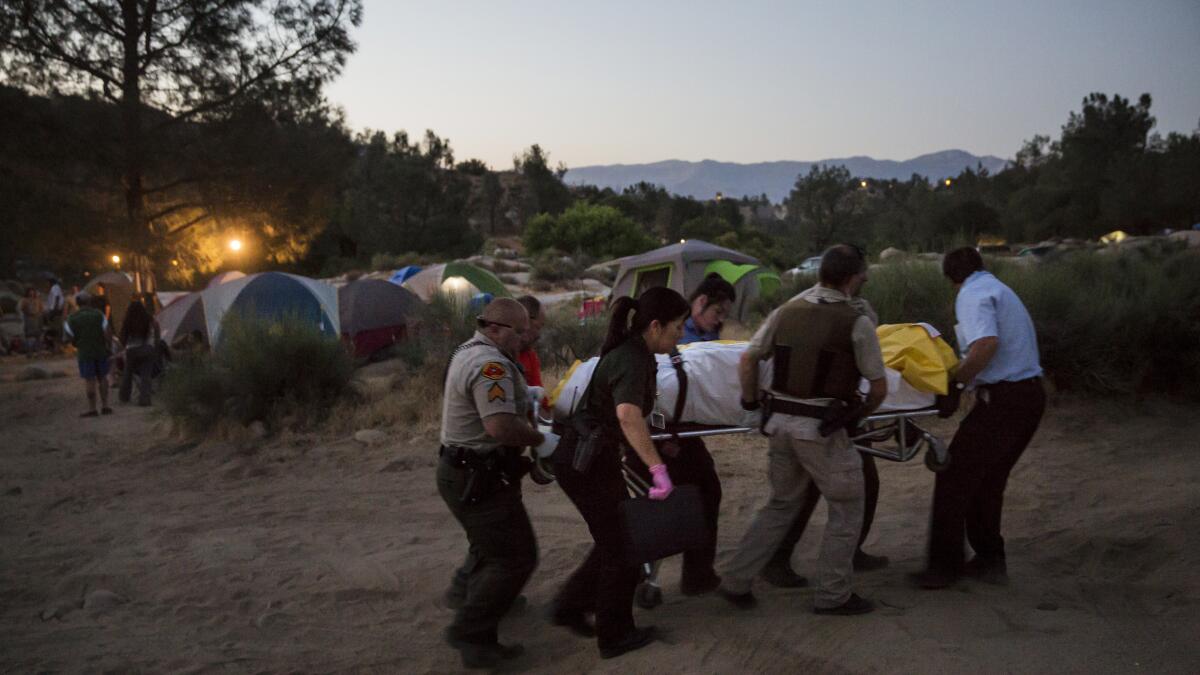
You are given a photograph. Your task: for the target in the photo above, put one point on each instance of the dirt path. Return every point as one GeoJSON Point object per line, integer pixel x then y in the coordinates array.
{"type": "Point", "coordinates": [123, 550]}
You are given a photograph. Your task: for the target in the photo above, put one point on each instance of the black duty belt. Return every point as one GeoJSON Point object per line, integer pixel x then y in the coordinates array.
{"type": "Point", "coordinates": [1009, 384]}
{"type": "Point", "coordinates": [781, 406]}
{"type": "Point", "coordinates": [460, 456]}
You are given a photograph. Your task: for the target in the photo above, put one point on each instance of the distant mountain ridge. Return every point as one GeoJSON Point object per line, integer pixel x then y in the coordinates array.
{"type": "Point", "coordinates": [704, 179]}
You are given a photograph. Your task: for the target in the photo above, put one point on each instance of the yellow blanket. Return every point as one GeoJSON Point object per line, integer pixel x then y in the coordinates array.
{"type": "Point", "coordinates": [924, 361]}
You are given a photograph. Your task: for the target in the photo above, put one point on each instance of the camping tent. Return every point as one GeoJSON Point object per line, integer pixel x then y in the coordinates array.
{"type": "Point", "coordinates": [404, 274]}
{"type": "Point", "coordinates": [181, 316]}
{"type": "Point", "coordinates": [684, 265]}
{"type": "Point", "coordinates": [459, 279]}
{"type": "Point", "coordinates": [271, 295]}
{"type": "Point", "coordinates": [119, 289]}
{"type": "Point", "coordinates": [374, 314]}
{"type": "Point", "coordinates": [225, 277]}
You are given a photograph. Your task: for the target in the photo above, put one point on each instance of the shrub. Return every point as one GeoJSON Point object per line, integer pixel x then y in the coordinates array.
{"type": "Point", "coordinates": [567, 338]}
{"type": "Point", "coordinates": [282, 372]}
{"type": "Point", "coordinates": [553, 267]}
{"type": "Point", "coordinates": [600, 230]}
{"type": "Point", "coordinates": [1120, 323]}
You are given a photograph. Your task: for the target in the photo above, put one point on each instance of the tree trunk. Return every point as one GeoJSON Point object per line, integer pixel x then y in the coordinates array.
{"type": "Point", "coordinates": [137, 232]}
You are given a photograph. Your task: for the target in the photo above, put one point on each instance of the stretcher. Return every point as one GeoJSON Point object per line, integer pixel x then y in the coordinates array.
{"type": "Point", "coordinates": [696, 399]}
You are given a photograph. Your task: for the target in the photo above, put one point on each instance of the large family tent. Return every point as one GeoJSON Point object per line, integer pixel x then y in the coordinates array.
{"type": "Point", "coordinates": [374, 314]}
{"type": "Point", "coordinates": [404, 274]}
{"type": "Point", "coordinates": [459, 279]}
{"type": "Point", "coordinates": [272, 295]}
{"type": "Point", "coordinates": [225, 277]}
{"type": "Point", "coordinates": [119, 289]}
{"type": "Point", "coordinates": [684, 265]}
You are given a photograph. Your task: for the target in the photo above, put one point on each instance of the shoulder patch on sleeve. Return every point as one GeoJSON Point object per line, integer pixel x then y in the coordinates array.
{"type": "Point", "coordinates": [496, 393]}
{"type": "Point", "coordinates": [493, 370]}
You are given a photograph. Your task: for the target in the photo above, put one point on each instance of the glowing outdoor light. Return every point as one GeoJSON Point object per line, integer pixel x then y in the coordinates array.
{"type": "Point", "coordinates": [235, 245]}
{"type": "Point", "coordinates": [116, 259]}
{"type": "Point", "coordinates": [862, 183]}
{"type": "Point", "coordinates": [947, 182]}
{"type": "Point", "coordinates": [456, 285]}
{"type": "Point", "coordinates": [174, 262]}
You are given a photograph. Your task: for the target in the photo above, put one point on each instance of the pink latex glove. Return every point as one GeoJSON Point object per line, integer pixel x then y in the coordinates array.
{"type": "Point", "coordinates": [662, 482]}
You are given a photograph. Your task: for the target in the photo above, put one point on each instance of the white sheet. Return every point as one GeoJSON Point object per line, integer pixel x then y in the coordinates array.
{"type": "Point", "coordinates": [714, 393]}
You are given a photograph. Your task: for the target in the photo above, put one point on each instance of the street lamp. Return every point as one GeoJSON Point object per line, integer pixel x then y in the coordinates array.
{"type": "Point", "coordinates": [235, 245]}
{"type": "Point", "coordinates": [947, 182]}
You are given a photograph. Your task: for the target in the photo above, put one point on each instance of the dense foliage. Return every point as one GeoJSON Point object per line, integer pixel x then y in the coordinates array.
{"type": "Point", "coordinates": [281, 373]}
{"type": "Point", "coordinates": [1114, 322]}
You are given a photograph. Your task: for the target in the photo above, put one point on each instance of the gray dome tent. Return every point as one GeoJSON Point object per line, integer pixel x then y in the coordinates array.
{"type": "Point", "coordinates": [684, 265]}
{"type": "Point", "coordinates": [375, 313]}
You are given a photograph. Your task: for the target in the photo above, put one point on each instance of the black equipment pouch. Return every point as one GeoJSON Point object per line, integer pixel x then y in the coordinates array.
{"type": "Point", "coordinates": [840, 415]}
{"type": "Point", "coordinates": [486, 474]}
{"type": "Point", "coordinates": [583, 436]}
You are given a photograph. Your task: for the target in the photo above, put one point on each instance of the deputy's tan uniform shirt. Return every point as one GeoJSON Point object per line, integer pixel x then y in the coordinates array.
{"type": "Point", "coordinates": [867, 355]}
{"type": "Point", "coordinates": [480, 382]}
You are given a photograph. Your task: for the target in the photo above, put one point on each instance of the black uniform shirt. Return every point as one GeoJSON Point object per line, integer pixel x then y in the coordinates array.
{"type": "Point", "coordinates": [625, 375]}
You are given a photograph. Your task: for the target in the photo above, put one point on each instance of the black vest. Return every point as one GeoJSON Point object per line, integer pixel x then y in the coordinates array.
{"type": "Point", "coordinates": [814, 350]}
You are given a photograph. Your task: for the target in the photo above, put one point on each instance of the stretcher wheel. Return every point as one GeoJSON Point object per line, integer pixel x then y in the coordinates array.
{"type": "Point", "coordinates": [937, 457]}
{"type": "Point", "coordinates": [648, 595]}
{"type": "Point", "coordinates": [542, 471]}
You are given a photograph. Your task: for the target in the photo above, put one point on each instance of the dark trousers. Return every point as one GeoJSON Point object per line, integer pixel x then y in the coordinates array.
{"type": "Point", "coordinates": [606, 581]}
{"type": "Point", "coordinates": [502, 556]}
{"type": "Point", "coordinates": [139, 362]}
{"type": "Point", "coordinates": [968, 497]}
{"type": "Point", "coordinates": [692, 465]}
{"type": "Point", "coordinates": [813, 494]}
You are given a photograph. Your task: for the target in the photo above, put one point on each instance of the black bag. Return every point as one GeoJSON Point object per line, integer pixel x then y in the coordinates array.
{"type": "Point", "coordinates": [657, 529]}
{"type": "Point", "coordinates": [583, 436]}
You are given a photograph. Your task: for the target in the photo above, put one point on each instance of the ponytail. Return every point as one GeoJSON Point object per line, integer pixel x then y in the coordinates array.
{"type": "Point", "coordinates": [655, 304]}
{"type": "Point", "coordinates": [618, 323]}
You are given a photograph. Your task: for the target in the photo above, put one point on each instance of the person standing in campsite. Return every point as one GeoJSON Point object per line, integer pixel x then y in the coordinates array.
{"type": "Point", "coordinates": [56, 306]}
{"type": "Point", "coordinates": [618, 399]}
{"type": "Point", "coordinates": [528, 356]}
{"type": "Point", "coordinates": [72, 302]}
{"type": "Point", "coordinates": [89, 331]}
{"type": "Point", "coordinates": [484, 427]}
{"type": "Point", "coordinates": [139, 338]}
{"type": "Point", "coordinates": [821, 346]}
{"type": "Point", "coordinates": [30, 309]}
{"type": "Point", "coordinates": [1001, 363]}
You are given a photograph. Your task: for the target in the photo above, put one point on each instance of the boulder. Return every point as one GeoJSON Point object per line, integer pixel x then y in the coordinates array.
{"type": "Point", "coordinates": [370, 436]}
{"type": "Point", "coordinates": [34, 372]}
{"type": "Point", "coordinates": [102, 600]}
{"type": "Point", "coordinates": [891, 253]}
{"type": "Point", "coordinates": [373, 387]}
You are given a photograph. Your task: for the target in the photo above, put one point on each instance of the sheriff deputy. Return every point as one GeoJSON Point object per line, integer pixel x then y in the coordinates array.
{"type": "Point", "coordinates": [484, 427]}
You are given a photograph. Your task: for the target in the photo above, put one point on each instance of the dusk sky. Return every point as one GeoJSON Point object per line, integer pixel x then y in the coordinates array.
{"type": "Point", "coordinates": [631, 82]}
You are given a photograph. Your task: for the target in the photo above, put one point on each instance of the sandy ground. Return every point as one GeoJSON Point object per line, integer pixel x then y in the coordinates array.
{"type": "Point", "coordinates": [124, 550]}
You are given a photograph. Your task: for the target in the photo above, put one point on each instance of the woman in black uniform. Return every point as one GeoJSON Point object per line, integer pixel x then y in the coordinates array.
{"type": "Point", "coordinates": [620, 397]}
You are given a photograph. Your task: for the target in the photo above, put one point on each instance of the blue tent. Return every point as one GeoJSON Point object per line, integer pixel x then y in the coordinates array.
{"type": "Point", "coordinates": [401, 275]}
{"type": "Point", "coordinates": [273, 295]}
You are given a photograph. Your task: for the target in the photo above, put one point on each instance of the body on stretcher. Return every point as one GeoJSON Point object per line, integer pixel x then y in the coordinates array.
{"type": "Point", "coordinates": [698, 395]}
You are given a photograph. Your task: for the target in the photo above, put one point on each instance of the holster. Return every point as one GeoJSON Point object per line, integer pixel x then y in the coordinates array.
{"type": "Point", "coordinates": [486, 474]}
{"type": "Point", "coordinates": [836, 415]}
